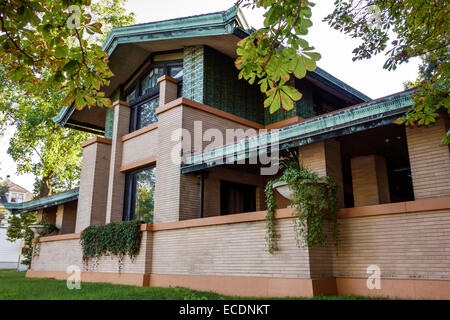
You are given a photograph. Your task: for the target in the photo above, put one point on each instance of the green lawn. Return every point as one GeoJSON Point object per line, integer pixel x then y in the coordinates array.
{"type": "Point", "coordinates": [14, 285]}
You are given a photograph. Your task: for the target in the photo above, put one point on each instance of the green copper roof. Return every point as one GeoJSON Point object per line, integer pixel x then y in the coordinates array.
{"type": "Point", "coordinates": [211, 24]}
{"type": "Point", "coordinates": [42, 203]}
{"type": "Point", "coordinates": [228, 22]}
{"type": "Point", "coordinates": [63, 115]}
{"type": "Point", "coordinates": [304, 132]}
{"type": "Point", "coordinates": [320, 75]}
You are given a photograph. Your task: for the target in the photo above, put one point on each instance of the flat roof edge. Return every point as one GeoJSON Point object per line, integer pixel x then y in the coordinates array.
{"type": "Point", "coordinates": [42, 203]}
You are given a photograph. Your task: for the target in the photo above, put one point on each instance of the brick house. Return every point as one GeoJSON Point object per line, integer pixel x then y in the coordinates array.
{"type": "Point", "coordinates": [205, 213]}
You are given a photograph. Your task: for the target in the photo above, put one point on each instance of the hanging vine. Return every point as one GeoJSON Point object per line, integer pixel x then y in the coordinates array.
{"type": "Point", "coordinates": [314, 201]}
{"type": "Point", "coordinates": [117, 239]}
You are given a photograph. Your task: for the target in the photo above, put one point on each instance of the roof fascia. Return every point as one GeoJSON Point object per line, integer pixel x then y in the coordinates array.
{"type": "Point", "coordinates": [42, 203]}
{"type": "Point", "coordinates": [212, 24]}
{"type": "Point", "coordinates": [64, 115]}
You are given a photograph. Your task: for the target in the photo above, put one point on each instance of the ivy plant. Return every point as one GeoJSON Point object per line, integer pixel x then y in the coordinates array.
{"type": "Point", "coordinates": [314, 202]}
{"type": "Point", "coordinates": [117, 239]}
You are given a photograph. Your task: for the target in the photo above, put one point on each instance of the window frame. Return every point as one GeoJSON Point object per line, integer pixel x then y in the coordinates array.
{"type": "Point", "coordinates": [153, 94]}
{"type": "Point", "coordinates": [130, 193]}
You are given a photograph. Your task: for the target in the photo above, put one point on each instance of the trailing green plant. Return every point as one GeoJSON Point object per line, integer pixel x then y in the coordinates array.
{"type": "Point", "coordinates": [117, 239]}
{"type": "Point", "coordinates": [314, 200]}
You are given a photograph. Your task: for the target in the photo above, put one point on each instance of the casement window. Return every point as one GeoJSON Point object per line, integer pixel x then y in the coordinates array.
{"type": "Point", "coordinates": [237, 197]}
{"type": "Point", "coordinates": [143, 95]}
{"type": "Point", "coordinates": [140, 195]}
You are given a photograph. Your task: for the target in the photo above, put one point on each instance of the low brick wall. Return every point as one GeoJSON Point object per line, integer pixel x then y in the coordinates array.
{"type": "Point", "coordinates": [227, 254]}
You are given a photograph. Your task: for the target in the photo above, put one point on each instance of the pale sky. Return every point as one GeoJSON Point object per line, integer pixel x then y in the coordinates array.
{"type": "Point", "coordinates": [367, 76]}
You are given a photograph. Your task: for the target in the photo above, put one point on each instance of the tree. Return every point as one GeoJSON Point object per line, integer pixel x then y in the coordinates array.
{"type": "Point", "coordinates": [18, 229]}
{"type": "Point", "coordinates": [278, 50]}
{"type": "Point", "coordinates": [40, 146]}
{"type": "Point", "coordinates": [48, 45]}
{"type": "Point", "coordinates": [420, 29]}
{"type": "Point", "coordinates": [404, 29]}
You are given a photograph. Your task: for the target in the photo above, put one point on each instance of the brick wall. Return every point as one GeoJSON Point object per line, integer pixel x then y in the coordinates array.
{"type": "Point", "coordinates": [58, 255]}
{"type": "Point", "coordinates": [324, 158]}
{"type": "Point", "coordinates": [430, 162]}
{"type": "Point", "coordinates": [140, 147]}
{"type": "Point", "coordinates": [408, 246]}
{"type": "Point", "coordinates": [237, 249]}
{"type": "Point", "coordinates": [370, 180]}
{"type": "Point", "coordinates": [167, 191]}
{"type": "Point", "coordinates": [415, 245]}
{"type": "Point", "coordinates": [116, 183]}
{"type": "Point", "coordinates": [92, 199]}
{"type": "Point", "coordinates": [189, 184]}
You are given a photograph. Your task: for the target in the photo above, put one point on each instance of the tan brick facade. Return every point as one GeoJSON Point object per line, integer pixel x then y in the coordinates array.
{"type": "Point", "coordinates": [324, 157]}
{"type": "Point", "coordinates": [167, 192]}
{"type": "Point", "coordinates": [92, 199]}
{"type": "Point", "coordinates": [370, 180]}
{"type": "Point", "coordinates": [430, 162]}
{"type": "Point", "coordinates": [177, 250]}
{"type": "Point", "coordinates": [405, 246]}
{"type": "Point", "coordinates": [66, 216]}
{"type": "Point", "coordinates": [116, 184]}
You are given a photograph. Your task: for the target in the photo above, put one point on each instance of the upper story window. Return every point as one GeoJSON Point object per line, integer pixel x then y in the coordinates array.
{"type": "Point", "coordinates": [149, 82]}
{"type": "Point", "coordinates": [143, 94]}
{"type": "Point", "coordinates": [15, 197]}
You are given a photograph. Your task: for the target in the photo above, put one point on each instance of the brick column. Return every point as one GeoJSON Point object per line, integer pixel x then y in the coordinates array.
{"type": "Point", "coordinates": [370, 180]}
{"type": "Point", "coordinates": [324, 157]}
{"type": "Point", "coordinates": [66, 217]}
{"type": "Point", "coordinates": [167, 89]}
{"type": "Point", "coordinates": [430, 162]}
{"type": "Point", "coordinates": [168, 172]}
{"type": "Point", "coordinates": [116, 184]}
{"type": "Point", "coordinates": [92, 197]}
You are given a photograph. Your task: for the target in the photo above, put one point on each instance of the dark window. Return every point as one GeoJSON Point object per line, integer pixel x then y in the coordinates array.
{"type": "Point", "coordinates": [139, 195]}
{"type": "Point", "coordinates": [146, 113]}
{"type": "Point", "coordinates": [149, 82]}
{"type": "Point", "coordinates": [144, 93]}
{"type": "Point", "coordinates": [237, 197]}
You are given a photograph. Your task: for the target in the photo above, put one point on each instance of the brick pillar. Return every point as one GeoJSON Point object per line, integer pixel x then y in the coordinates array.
{"type": "Point", "coordinates": [167, 89]}
{"type": "Point", "coordinates": [168, 171]}
{"type": "Point", "coordinates": [430, 162]}
{"type": "Point", "coordinates": [324, 157]}
{"type": "Point", "coordinates": [66, 217]}
{"type": "Point", "coordinates": [116, 185]}
{"type": "Point", "coordinates": [370, 180]}
{"type": "Point", "coordinates": [92, 197]}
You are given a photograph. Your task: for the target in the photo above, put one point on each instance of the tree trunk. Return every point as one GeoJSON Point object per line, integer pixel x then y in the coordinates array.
{"type": "Point", "coordinates": [46, 185]}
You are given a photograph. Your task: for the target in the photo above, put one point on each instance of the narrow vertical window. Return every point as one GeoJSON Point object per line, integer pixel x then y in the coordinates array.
{"type": "Point", "coordinates": [139, 195]}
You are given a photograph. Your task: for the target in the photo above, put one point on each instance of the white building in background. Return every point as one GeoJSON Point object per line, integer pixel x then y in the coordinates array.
{"type": "Point", "coordinates": [10, 251]}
